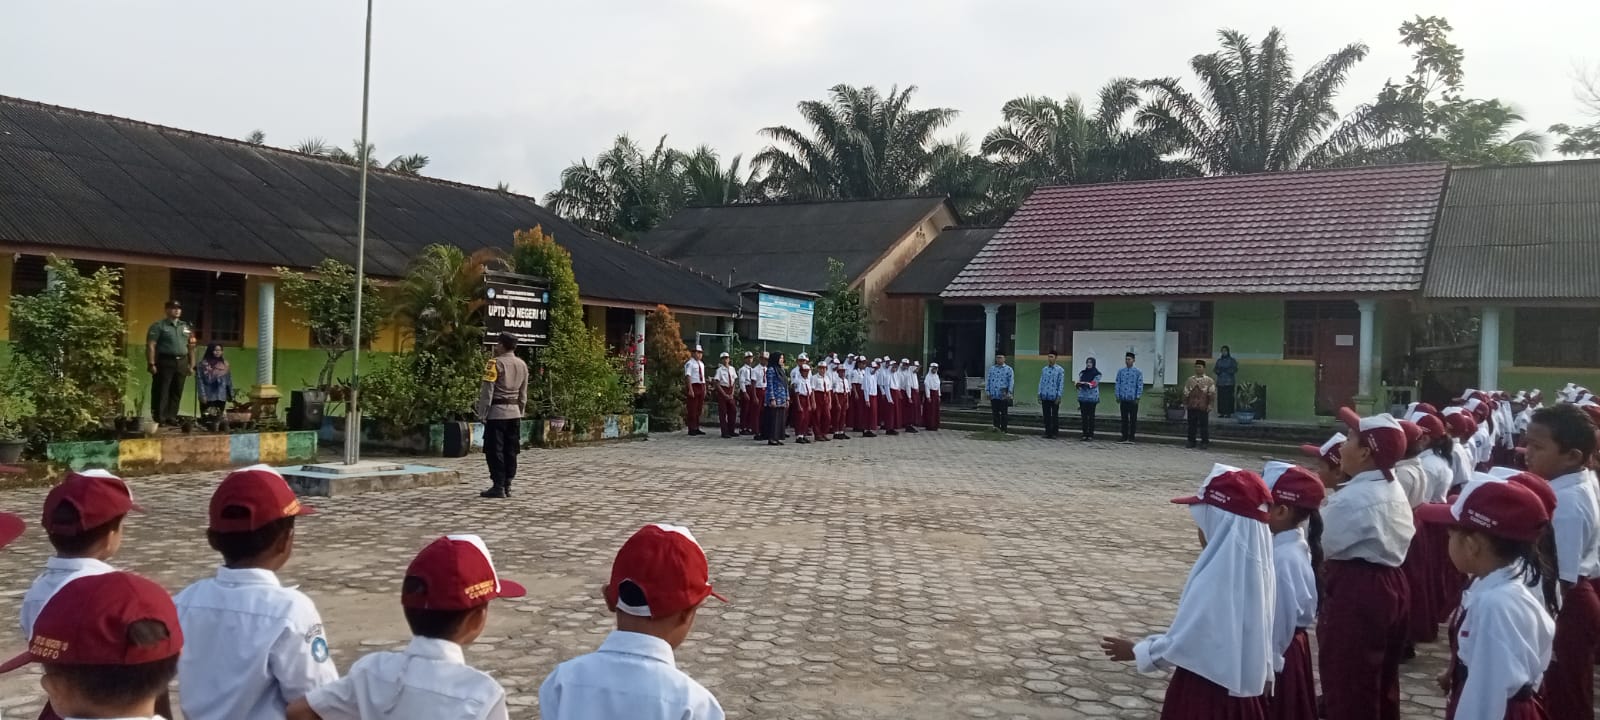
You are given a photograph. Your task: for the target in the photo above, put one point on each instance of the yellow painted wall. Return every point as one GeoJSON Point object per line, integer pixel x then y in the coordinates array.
{"type": "Point", "coordinates": [145, 292]}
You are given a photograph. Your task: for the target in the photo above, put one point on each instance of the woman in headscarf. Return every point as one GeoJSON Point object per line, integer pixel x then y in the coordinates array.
{"type": "Point", "coordinates": [777, 409]}
{"type": "Point", "coordinates": [1088, 396]}
{"type": "Point", "coordinates": [214, 382]}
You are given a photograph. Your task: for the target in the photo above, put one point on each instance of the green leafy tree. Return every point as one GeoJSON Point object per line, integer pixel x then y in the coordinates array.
{"type": "Point", "coordinates": [706, 182]}
{"type": "Point", "coordinates": [406, 164]}
{"type": "Point", "coordinates": [840, 318]}
{"type": "Point", "coordinates": [664, 356]}
{"type": "Point", "coordinates": [1583, 139]}
{"type": "Point", "coordinates": [1253, 115]}
{"type": "Point", "coordinates": [420, 388]}
{"type": "Point", "coordinates": [68, 360]}
{"type": "Point", "coordinates": [574, 377]}
{"type": "Point", "coordinates": [326, 299]}
{"type": "Point", "coordinates": [968, 179]}
{"type": "Point", "coordinates": [625, 192]}
{"type": "Point", "coordinates": [862, 144]}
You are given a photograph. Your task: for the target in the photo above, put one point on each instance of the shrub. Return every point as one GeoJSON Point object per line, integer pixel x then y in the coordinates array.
{"type": "Point", "coordinates": [664, 356]}
{"type": "Point", "coordinates": [421, 388]}
{"type": "Point", "coordinates": [840, 319]}
{"type": "Point", "coordinates": [68, 358]}
{"type": "Point", "coordinates": [327, 299]}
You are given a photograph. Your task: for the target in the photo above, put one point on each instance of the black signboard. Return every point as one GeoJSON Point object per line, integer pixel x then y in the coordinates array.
{"type": "Point", "coordinates": [516, 304]}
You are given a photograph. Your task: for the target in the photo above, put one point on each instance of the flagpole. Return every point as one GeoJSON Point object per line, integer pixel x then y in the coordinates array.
{"type": "Point", "coordinates": [352, 428]}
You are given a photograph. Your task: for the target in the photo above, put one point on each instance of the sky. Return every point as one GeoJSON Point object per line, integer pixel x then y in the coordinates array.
{"type": "Point", "coordinates": [516, 90]}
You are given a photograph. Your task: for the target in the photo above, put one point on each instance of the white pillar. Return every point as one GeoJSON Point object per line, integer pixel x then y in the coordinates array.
{"type": "Point", "coordinates": [266, 310]}
{"type": "Point", "coordinates": [639, 317]}
{"type": "Point", "coordinates": [991, 322]}
{"type": "Point", "coordinates": [1489, 349]}
{"type": "Point", "coordinates": [1162, 307]}
{"type": "Point", "coordinates": [1367, 308]}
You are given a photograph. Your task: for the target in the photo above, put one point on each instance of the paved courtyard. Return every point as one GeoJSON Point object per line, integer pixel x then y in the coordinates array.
{"type": "Point", "coordinates": [928, 576]}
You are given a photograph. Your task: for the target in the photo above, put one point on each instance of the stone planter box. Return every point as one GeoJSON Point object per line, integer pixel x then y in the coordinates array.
{"type": "Point", "coordinates": [535, 432]}
{"type": "Point", "coordinates": [185, 453]}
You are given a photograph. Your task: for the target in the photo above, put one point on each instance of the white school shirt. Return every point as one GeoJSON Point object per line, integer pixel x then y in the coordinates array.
{"type": "Point", "coordinates": [1462, 464]}
{"type": "Point", "coordinates": [1576, 525]}
{"type": "Point", "coordinates": [744, 376]}
{"type": "Point", "coordinates": [632, 676]}
{"type": "Point", "coordinates": [1440, 476]}
{"type": "Point", "coordinates": [1482, 445]}
{"type": "Point", "coordinates": [1412, 480]}
{"type": "Point", "coordinates": [250, 647]}
{"type": "Point", "coordinates": [930, 384]}
{"type": "Point", "coordinates": [1505, 641]}
{"type": "Point", "coordinates": [802, 386]}
{"type": "Point", "coordinates": [869, 384]}
{"type": "Point", "coordinates": [727, 377]}
{"type": "Point", "coordinates": [819, 383]}
{"type": "Point", "coordinates": [1367, 518]}
{"type": "Point", "coordinates": [841, 383]}
{"type": "Point", "coordinates": [758, 376]}
{"type": "Point", "coordinates": [695, 370]}
{"type": "Point", "coordinates": [58, 571]}
{"type": "Point", "coordinates": [1295, 591]}
{"type": "Point", "coordinates": [430, 680]}
{"type": "Point", "coordinates": [910, 381]}
{"type": "Point", "coordinates": [897, 380]}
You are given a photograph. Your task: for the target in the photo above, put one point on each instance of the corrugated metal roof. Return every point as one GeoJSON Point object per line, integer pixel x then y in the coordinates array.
{"type": "Point", "coordinates": [1519, 232]}
{"type": "Point", "coordinates": [1360, 230]}
{"type": "Point", "coordinates": [76, 179]}
{"type": "Point", "coordinates": [941, 261]}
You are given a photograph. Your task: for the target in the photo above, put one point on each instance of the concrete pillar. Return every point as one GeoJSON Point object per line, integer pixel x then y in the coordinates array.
{"type": "Point", "coordinates": [927, 333]}
{"type": "Point", "coordinates": [639, 317]}
{"type": "Point", "coordinates": [264, 394]}
{"type": "Point", "coordinates": [725, 325]}
{"type": "Point", "coordinates": [1368, 308]}
{"type": "Point", "coordinates": [1158, 382]}
{"type": "Point", "coordinates": [1489, 349]}
{"type": "Point", "coordinates": [991, 323]}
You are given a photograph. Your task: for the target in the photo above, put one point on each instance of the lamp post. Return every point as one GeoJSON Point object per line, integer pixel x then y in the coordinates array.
{"type": "Point", "coordinates": [352, 427]}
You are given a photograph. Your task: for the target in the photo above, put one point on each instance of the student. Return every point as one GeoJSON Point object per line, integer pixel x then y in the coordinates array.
{"type": "Point", "coordinates": [932, 387]}
{"type": "Point", "coordinates": [1433, 581]}
{"type": "Point", "coordinates": [758, 387]}
{"type": "Point", "coordinates": [658, 581]}
{"type": "Point", "coordinates": [117, 666]}
{"type": "Point", "coordinates": [1297, 496]}
{"type": "Point", "coordinates": [726, 380]}
{"type": "Point", "coordinates": [1560, 441]}
{"type": "Point", "coordinates": [1462, 429]}
{"type": "Point", "coordinates": [800, 379]}
{"type": "Point", "coordinates": [1421, 620]}
{"type": "Point", "coordinates": [748, 404]}
{"type": "Point", "coordinates": [83, 518]}
{"type": "Point", "coordinates": [445, 597]}
{"type": "Point", "coordinates": [1325, 460]}
{"type": "Point", "coordinates": [1219, 644]}
{"type": "Point", "coordinates": [1361, 630]}
{"type": "Point", "coordinates": [1436, 468]}
{"type": "Point", "coordinates": [255, 646]}
{"type": "Point", "coordinates": [1501, 640]}
{"type": "Point", "coordinates": [1408, 470]}
{"type": "Point", "coordinates": [841, 401]}
{"type": "Point", "coordinates": [871, 403]}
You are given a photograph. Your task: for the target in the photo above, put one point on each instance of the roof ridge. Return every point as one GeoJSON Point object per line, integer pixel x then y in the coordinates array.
{"type": "Point", "coordinates": [1531, 163]}
{"type": "Point", "coordinates": [1265, 173]}
{"type": "Point", "coordinates": [814, 201]}
{"type": "Point", "coordinates": [49, 107]}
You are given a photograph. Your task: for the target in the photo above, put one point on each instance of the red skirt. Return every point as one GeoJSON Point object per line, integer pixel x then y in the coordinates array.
{"type": "Point", "coordinates": [1191, 697]}
{"type": "Point", "coordinates": [1569, 681]}
{"type": "Point", "coordinates": [930, 411]}
{"type": "Point", "coordinates": [1294, 691]}
{"type": "Point", "coordinates": [1422, 624]}
{"type": "Point", "coordinates": [1361, 634]}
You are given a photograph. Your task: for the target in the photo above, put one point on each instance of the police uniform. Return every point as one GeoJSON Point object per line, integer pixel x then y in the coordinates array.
{"type": "Point", "coordinates": [501, 397]}
{"type": "Point", "coordinates": [173, 341]}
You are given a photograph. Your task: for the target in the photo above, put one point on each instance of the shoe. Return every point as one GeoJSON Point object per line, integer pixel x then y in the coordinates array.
{"type": "Point", "coordinates": [869, 433]}
{"type": "Point", "coordinates": [840, 436]}
{"type": "Point", "coordinates": [911, 430]}
{"type": "Point", "coordinates": [773, 442]}
{"type": "Point", "coordinates": [1084, 439]}
{"type": "Point", "coordinates": [1190, 446]}
{"type": "Point", "coordinates": [890, 432]}
{"type": "Point", "coordinates": [494, 492]}
{"type": "Point", "coordinates": [802, 441]}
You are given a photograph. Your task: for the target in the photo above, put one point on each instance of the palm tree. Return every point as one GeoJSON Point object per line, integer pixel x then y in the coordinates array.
{"type": "Point", "coordinates": [1478, 132]}
{"type": "Point", "coordinates": [442, 299]}
{"type": "Point", "coordinates": [313, 146]}
{"type": "Point", "coordinates": [406, 164]}
{"type": "Point", "coordinates": [969, 179]}
{"type": "Point", "coordinates": [705, 182]}
{"type": "Point", "coordinates": [625, 192]}
{"type": "Point", "coordinates": [863, 144]}
{"type": "Point", "coordinates": [1253, 115]}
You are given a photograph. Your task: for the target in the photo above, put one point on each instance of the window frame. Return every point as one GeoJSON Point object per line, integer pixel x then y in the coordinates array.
{"type": "Point", "coordinates": [1194, 322]}
{"type": "Point", "coordinates": [1063, 319]}
{"type": "Point", "coordinates": [1546, 339]}
{"type": "Point", "coordinates": [199, 292]}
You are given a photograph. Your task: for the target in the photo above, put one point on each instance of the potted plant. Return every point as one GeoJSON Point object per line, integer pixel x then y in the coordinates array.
{"type": "Point", "coordinates": [13, 410]}
{"type": "Point", "coordinates": [241, 412]}
{"type": "Point", "coordinates": [1245, 397]}
{"type": "Point", "coordinates": [1172, 401]}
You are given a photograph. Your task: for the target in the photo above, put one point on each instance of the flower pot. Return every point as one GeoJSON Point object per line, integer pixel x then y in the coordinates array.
{"type": "Point", "coordinates": [1177, 414]}
{"type": "Point", "coordinates": [1245, 417]}
{"type": "Point", "coordinates": [11, 450]}
{"type": "Point", "coordinates": [558, 423]}
{"type": "Point", "coordinates": [148, 427]}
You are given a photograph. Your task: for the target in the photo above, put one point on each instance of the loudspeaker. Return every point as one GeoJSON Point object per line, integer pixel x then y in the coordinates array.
{"type": "Point", "coordinates": [305, 409]}
{"type": "Point", "coordinates": [457, 439]}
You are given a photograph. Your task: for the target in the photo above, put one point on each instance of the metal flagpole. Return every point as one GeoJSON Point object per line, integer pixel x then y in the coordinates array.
{"type": "Point", "coordinates": [352, 426]}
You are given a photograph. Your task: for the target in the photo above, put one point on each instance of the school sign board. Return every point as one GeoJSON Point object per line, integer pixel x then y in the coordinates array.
{"type": "Point", "coordinates": [785, 319]}
{"type": "Point", "coordinates": [1108, 347]}
{"type": "Point", "coordinates": [516, 304]}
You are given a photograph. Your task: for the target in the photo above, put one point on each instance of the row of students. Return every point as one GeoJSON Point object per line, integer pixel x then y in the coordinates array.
{"type": "Point", "coordinates": [244, 647]}
{"type": "Point", "coordinates": [826, 400]}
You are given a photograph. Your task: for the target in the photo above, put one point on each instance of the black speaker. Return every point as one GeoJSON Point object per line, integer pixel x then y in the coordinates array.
{"type": "Point", "coordinates": [305, 409]}
{"type": "Point", "coordinates": [457, 439]}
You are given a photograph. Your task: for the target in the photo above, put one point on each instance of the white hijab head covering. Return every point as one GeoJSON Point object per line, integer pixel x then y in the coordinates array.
{"type": "Point", "coordinates": [1223, 628]}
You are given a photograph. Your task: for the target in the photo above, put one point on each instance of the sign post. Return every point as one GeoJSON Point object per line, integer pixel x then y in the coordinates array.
{"type": "Point", "coordinates": [516, 304]}
{"type": "Point", "coordinates": [785, 319]}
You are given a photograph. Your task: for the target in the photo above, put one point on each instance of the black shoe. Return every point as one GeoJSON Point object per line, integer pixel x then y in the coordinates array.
{"type": "Point", "coordinates": [802, 441]}
{"type": "Point", "coordinates": [494, 492]}
{"type": "Point", "coordinates": [840, 436]}
{"type": "Point", "coordinates": [869, 433]}
{"type": "Point", "coordinates": [890, 432]}
{"type": "Point", "coordinates": [911, 430]}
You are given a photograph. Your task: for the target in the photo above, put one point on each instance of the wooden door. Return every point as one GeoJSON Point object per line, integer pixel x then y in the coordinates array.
{"type": "Point", "coordinates": [1338, 357]}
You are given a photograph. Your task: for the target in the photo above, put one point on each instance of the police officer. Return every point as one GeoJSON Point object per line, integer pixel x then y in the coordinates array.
{"type": "Point", "coordinates": [169, 349]}
{"type": "Point", "coordinates": [500, 402]}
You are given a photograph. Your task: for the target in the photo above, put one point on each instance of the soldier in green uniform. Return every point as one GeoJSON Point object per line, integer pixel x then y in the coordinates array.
{"type": "Point", "coordinates": [500, 402]}
{"type": "Point", "coordinates": [169, 348]}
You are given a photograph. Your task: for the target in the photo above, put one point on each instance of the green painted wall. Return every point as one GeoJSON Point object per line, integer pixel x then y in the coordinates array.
{"type": "Point", "coordinates": [1514, 377]}
{"type": "Point", "coordinates": [1251, 329]}
{"type": "Point", "coordinates": [1124, 315]}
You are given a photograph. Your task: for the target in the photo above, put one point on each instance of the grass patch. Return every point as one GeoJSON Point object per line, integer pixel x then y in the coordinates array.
{"type": "Point", "coordinates": [993, 435]}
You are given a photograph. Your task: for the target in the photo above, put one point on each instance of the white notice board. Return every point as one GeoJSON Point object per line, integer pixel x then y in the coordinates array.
{"type": "Point", "coordinates": [1108, 347]}
{"type": "Point", "coordinates": [785, 319]}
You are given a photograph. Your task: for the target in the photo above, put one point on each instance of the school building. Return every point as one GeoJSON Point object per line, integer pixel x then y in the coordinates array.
{"type": "Point", "coordinates": [205, 220]}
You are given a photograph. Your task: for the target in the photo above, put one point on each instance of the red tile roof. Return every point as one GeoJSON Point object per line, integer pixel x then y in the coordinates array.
{"type": "Point", "coordinates": [1359, 230]}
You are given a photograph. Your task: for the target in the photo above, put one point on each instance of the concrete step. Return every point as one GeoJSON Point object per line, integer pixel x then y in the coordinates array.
{"type": "Point", "coordinates": [1268, 450]}
{"type": "Point", "coordinates": [1258, 433]}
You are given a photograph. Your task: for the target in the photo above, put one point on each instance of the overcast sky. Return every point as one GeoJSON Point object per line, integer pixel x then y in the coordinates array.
{"type": "Point", "coordinates": [515, 90]}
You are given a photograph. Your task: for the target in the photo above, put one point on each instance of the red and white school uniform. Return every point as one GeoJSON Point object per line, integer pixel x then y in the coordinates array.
{"type": "Point", "coordinates": [1569, 683]}
{"type": "Point", "coordinates": [695, 372]}
{"type": "Point", "coordinates": [886, 411]}
{"type": "Point", "coordinates": [821, 404]}
{"type": "Point", "coordinates": [1294, 687]}
{"type": "Point", "coordinates": [931, 385]}
{"type": "Point", "coordinates": [1219, 645]}
{"type": "Point", "coordinates": [802, 403]}
{"type": "Point", "coordinates": [841, 400]}
{"type": "Point", "coordinates": [913, 391]}
{"type": "Point", "coordinates": [749, 407]}
{"type": "Point", "coordinates": [869, 401]}
{"type": "Point", "coordinates": [727, 388]}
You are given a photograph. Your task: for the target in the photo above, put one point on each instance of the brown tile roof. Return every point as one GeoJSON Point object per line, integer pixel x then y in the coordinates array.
{"type": "Point", "coordinates": [1360, 230]}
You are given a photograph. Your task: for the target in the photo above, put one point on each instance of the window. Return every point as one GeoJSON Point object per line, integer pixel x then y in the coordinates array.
{"type": "Point", "coordinates": [29, 275]}
{"type": "Point", "coordinates": [1057, 322]}
{"type": "Point", "coordinates": [1192, 322]}
{"type": "Point", "coordinates": [1567, 338]}
{"type": "Point", "coordinates": [1301, 319]}
{"type": "Point", "coordinates": [213, 303]}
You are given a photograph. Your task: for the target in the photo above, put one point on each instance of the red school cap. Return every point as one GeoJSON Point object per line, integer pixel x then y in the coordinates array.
{"type": "Point", "coordinates": [263, 495]}
{"type": "Point", "coordinates": [1432, 425]}
{"type": "Point", "coordinates": [1382, 435]}
{"type": "Point", "coordinates": [86, 623]}
{"type": "Point", "coordinates": [1535, 484]}
{"type": "Point", "coordinates": [1294, 485]}
{"type": "Point", "coordinates": [98, 496]}
{"type": "Point", "coordinates": [1240, 492]}
{"type": "Point", "coordinates": [11, 527]}
{"type": "Point", "coordinates": [1460, 422]}
{"type": "Point", "coordinates": [668, 566]}
{"type": "Point", "coordinates": [1328, 451]}
{"type": "Point", "coordinates": [1414, 436]}
{"type": "Point", "coordinates": [1494, 506]}
{"type": "Point", "coordinates": [457, 574]}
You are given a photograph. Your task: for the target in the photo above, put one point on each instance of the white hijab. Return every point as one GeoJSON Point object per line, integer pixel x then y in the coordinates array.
{"type": "Point", "coordinates": [1223, 628]}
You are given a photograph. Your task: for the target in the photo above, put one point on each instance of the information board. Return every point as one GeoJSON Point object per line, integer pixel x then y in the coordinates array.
{"type": "Point", "coordinates": [516, 305]}
{"type": "Point", "coordinates": [1108, 347]}
{"type": "Point", "coordinates": [785, 319]}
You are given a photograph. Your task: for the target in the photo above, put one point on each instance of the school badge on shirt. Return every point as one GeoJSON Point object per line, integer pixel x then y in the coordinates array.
{"type": "Point", "coordinates": [319, 649]}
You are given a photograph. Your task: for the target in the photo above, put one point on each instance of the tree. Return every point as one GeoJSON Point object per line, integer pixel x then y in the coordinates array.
{"type": "Point", "coordinates": [405, 164]}
{"type": "Point", "coordinates": [863, 144]}
{"type": "Point", "coordinates": [664, 356]}
{"type": "Point", "coordinates": [573, 377]}
{"type": "Point", "coordinates": [256, 137]}
{"type": "Point", "coordinates": [968, 179]}
{"type": "Point", "coordinates": [625, 192]}
{"type": "Point", "coordinates": [1253, 115]}
{"type": "Point", "coordinates": [326, 299]}
{"type": "Point", "coordinates": [1583, 139]}
{"type": "Point", "coordinates": [705, 182]}
{"type": "Point", "coordinates": [841, 316]}
{"type": "Point", "coordinates": [68, 362]}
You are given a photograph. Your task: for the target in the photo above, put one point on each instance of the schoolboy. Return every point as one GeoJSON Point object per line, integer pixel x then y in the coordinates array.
{"type": "Point", "coordinates": [445, 596]}
{"type": "Point", "coordinates": [658, 581]}
{"type": "Point", "coordinates": [254, 645]}
{"type": "Point", "coordinates": [118, 666]}
{"type": "Point", "coordinates": [83, 518]}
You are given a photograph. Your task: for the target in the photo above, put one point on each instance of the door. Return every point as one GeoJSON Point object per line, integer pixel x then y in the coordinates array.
{"type": "Point", "coordinates": [1338, 357]}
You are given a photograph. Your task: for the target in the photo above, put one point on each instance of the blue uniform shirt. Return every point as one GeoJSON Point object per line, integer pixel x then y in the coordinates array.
{"type": "Point", "coordinates": [1130, 384]}
{"type": "Point", "coordinates": [777, 387]}
{"type": "Point", "coordinates": [1090, 394]}
{"type": "Point", "coordinates": [999, 381]}
{"type": "Point", "coordinates": [1052, 382]}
